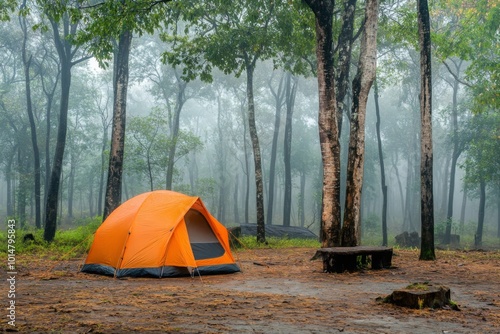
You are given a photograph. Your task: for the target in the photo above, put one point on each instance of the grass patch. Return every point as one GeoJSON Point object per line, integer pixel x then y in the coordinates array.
{"type": "Point", "coordinates": [250, 242]}
{"type": "Point", "coordinates": [419, 286]}
{"type": "Point", "coordinates": [66, 244]}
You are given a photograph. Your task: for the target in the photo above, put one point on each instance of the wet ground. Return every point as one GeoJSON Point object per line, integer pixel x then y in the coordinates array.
{"type": "Point", "coordinates": [278, 291]}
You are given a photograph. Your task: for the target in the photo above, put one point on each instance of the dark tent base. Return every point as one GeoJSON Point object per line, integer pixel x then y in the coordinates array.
{"type": "Point", "coordinates": [167, 271]}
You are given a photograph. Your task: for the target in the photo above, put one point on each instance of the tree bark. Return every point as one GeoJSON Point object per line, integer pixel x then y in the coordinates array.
{"type": "Point", "coordinates": [345, 41]}
{"type": "Point", "coordinates": [361, 88]}
{"type": "Point", "coordinates": [115, 168]}
{"type": "Point", "coordinates": [426, 183]}
{"type": "Point", "coordinates": [327, 123]}
{"type": "Point", "coordinates": [382, 168]}
{"type": "Point", "coordinates": [291, 90]}
{"type": "Point", "coordinates": [259, 185]}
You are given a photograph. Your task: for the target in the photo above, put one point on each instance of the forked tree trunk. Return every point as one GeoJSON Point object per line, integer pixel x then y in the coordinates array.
{"type": "Point", "coordinates": [427, 199]}
{"type": "Point", "coordinates": [115, 168]}
{"type": "Point", "coordinates": [361, 88]}
{"type": "Point", "coordinates": [327, 123]}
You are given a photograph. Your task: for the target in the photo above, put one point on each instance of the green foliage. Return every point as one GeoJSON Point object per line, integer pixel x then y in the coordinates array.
{"type": "Point", "coordinates": [6, 8]}
{"type": "Point", "coordinates": [483, 161]}
{"type": "Point", "coordinates": [149, 144]}
{"type": "Point", "coordinates": [469, 31]}
{"type": "Point", "coordinates": [371, 223]}
{"type": "Point", "coordinates": [250, 242]}
{"type": "Point", "coordinates": [106, 20]}
{"type": "Point", "coordinates": [69, 243]}
{"type": "Point", "coordinates": [233, 35]}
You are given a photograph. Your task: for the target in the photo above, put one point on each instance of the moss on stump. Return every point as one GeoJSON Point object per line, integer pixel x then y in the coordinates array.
{"type": "Point", "coordinates": [422, 295]}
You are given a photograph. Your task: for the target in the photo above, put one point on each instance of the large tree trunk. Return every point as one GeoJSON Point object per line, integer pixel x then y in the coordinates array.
{"type": "Point", "coordinates": [115, 167]}
{"type": "Point", "coordinates": [278, 96]}
{"type": "Point", "coordinates": [382, 168]}
{"type": "Point", "coordinates": [259, 185]}
{"type": "Point", "coordinates": [34, 141]}
{"type": "Point", "coordinates": [327, 123]}
{"type": "Point", "coordinates": [426, 189]}
{"type": "Point", "coordinates": [291, 89]}
{"type": "Point", "coordinates": [361, 88]}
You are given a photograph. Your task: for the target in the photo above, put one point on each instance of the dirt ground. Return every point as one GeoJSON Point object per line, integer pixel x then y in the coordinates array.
{"type": "Point", "coordinates": [278, 291]}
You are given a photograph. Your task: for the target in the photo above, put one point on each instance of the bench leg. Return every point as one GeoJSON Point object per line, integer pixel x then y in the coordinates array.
{"type": "Point", "coordinates": [381, 260]}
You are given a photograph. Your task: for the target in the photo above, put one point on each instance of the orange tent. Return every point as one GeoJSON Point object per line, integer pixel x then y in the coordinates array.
{"type": "Point", "coordinates": [162, 234]}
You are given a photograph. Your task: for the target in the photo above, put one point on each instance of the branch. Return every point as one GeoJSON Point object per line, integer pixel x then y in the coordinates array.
{"type": "Point", "coordinates": [456, 76]}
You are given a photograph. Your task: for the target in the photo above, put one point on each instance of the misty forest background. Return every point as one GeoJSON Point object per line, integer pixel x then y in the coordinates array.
{"type": "Point", "coordinates": [187, 122]}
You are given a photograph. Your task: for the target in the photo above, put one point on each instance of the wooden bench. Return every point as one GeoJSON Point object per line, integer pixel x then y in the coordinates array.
{"type": "Point", "coordinates": [339, 259]}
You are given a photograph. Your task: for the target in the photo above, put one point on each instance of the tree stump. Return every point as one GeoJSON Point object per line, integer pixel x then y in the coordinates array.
{"type": "Point", "coordinates": [422, 295]}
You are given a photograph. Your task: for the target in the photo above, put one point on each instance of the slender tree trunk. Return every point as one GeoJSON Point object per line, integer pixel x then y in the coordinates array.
{"type": "Point", "coordinates": [236, 211]}
{"type": "Point", "coordinates": [103, 167]}
{"type": "Point", "coordinates": [441, 216]}
{"type": "Point", "coordinates": [48, 126]}
{"type": "Point", "coordinates": [8, 180]}
{"type": "Point", "coordinates": [327, 123]}
{"type": "Point", "coordinates": [426, 159]}
{"type": "Point", "coordinates": [22, 190]}
{"type": "Point", "coordinates": [278, 96]}
{"type": "Point", "coordinates": [246, 168]}
{"type": "Point", "coordinates": [454, 159]}
{"type": "Point", "coordinates": [382, 168]}
{"type": "Point", "coordinates": [291, 90]}
{"type": "Point", "coordinates": [478, 238]}
{"type": "Point", "coordinates": [361, 88]}
{"type": "Point", "coordinates": [259, 186]}
{"type": "Point", "coordinates": [115, 167]}
{"type": "Point", "coordinates": [498, 211]}
{"type": "Point", "coordinates": [71, 185]}
{"type": "Point", "coordinates": [302, 213]}
{"type": "Point", "coordinates": [34, 141]}
{"type": "Point", "coordinates": [221, 159]}
{"type": "Point", "coordinates": [51, 208]}
{"type": "Point", "coordinates": [462, 211]}
{"type": "Point", "coordinates": [175, 130]}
